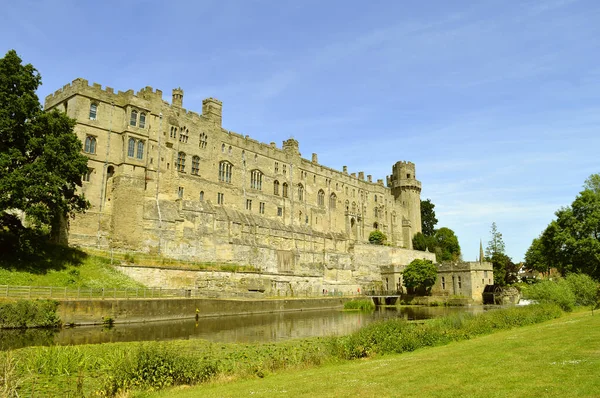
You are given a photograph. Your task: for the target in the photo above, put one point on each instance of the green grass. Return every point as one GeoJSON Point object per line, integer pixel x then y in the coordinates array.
{"type": "Point", "coordinates": [60, 371]}
{"type": "Point", "coordinates": [559, 358]}
{"type": "Point", "coordinates": [83, 271]}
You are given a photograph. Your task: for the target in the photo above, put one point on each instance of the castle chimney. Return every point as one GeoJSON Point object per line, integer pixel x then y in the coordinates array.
{"type": "Point", "coordinates": [370, 178]}
{"type": "Point", "coordinates": [177, 97]}
{"type": "Point", "coordinates": [314, 158]}
{"type": "Point", "coordinates": [361, 175]}
{"type": "Point", "coordinates": [345, 169]}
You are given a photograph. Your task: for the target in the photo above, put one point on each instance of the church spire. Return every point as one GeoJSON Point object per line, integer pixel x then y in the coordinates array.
{"type": "Point", "coordinates": [480, 251]}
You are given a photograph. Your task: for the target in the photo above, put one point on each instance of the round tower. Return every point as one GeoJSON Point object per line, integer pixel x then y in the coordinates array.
{"type": "Point", "coordinates": [407, 194]}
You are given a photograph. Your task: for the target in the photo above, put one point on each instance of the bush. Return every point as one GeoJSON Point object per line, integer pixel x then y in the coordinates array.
{"type": "Point", "coordinates": [362, 305]}
{"type": "Point", "coordinates": [584, 288]}
{"type": "Point", "coordinates": [155, 367]}
{"type": "Point", "coordinates": [557, 292]}
{"type": "Point", "coordinates": [29, 314]}
{"type": "Point", "coordinates": [377, 238]}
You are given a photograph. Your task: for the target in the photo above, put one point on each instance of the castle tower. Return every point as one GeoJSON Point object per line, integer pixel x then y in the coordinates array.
{"type": "Point", "coordinates": [407, 194]}
{"type": "Point", "coordinates": [291, 147]}
{"type": "Point", "coordinates": [177, 97]}
{"type": "Point", "coordinates": [212, 109]}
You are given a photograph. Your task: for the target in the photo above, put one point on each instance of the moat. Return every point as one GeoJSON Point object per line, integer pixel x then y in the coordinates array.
{"type": "Point", "coordinates": [227, 329]}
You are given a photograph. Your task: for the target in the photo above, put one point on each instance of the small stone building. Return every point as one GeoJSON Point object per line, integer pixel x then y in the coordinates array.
{"type": "Point", "coordinates": [463, 279]}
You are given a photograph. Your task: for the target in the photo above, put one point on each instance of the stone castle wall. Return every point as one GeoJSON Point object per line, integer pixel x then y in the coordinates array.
{"type": "Point", "coordinates": [167, 180]}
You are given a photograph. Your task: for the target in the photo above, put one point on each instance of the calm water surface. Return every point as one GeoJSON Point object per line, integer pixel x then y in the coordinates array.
{"type": "Point", "coordinates": [227, 329]}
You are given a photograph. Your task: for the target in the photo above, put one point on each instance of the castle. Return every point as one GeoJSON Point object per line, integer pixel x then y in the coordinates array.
{"type": "Point", "coordinates": [173, 182]}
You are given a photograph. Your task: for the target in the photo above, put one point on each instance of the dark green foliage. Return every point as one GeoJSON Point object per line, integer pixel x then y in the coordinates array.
{"type": "Point", "coordinates": [377, 238]}
{"type": "Point", "coordinates": [428, 220]}
{"type": "Point", "coordinates": [362, 305]}
{"type": "Point", "coordinates": [571, 243]}
{"type": "Point", "coordinates": [535, 259]}
{"type": "Point", "coordinates": [505, 271]}
{"type": "Point", "coordinates": [29, 314]}
{"type": "Point", "coordinates": [446, 243]}
{"type": "Point", "coordinates": [419, 276]}
{"type": "Point", "coordinates": [40, 156]}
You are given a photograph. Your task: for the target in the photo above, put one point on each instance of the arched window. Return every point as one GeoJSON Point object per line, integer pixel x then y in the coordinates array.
{"type": "Point", "coordinates": [195, 165]}
{"type": "Point", "coordinates": [276, 187]}
{"type": "Point", "coordinates": [332, 201]}
{"type": "Point", "coordinates": [300, 192]}
{"type": "Point", "coordinates": [347, 205]}
{"type": "Point", "coordinates": [376, 212]}
{"type": "Point", "coordinates": [225, 172]}
{"type": "Point", "coordinates": [354, 207]}
{"type": "Point", "coordinates": [93, 111]}
{"type": "Point", "coordinates": [201, 196]}
{"type": "Point", "coordinates": [131, 148]}
{"type": "Point", "coordinates": [142, 120]}
{"type": "Point", "coordinates": [223, 148]}
{"type": "Point", "coordinates": [140, 149]}
{"type": "Point", "coordinates": [375, 225]}
{"type": "Point", "coordinates": [173, 133]}
{"type": "Point", "coordinates": [203, 140]}
{"type": "Point", "coordinates": [90, 144]}
{"type": "Point", "coordinates": [180, 162]}
{"type": "Point", "coordinates": [321, 198]}
{"type": "Point", "coordinates": [230, 150]}
{"type": "Point", "coordinates": [256, 179]}
{"type": "Point", "coordinates": [183, 136]}
{"type": "Point", "coordinates": [133, 118]}
{"type": "Point", "coordinates": [285, 190]}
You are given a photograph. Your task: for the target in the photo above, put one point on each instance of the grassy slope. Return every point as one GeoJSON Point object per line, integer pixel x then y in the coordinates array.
{"type": "Point", "coordinates": [85, 271]}
{"type": "Point", "coordinates": [560, 358]}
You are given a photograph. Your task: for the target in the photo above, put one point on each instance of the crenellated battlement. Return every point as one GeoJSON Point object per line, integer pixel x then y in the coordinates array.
{"type": "Point", "coordinates": [95, 90]}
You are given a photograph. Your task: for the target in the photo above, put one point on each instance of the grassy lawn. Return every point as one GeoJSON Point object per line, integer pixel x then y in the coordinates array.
{"type": "Point", "coordinates": [80, 271]}
{"type": "Point", "coordinates": [559, 358]}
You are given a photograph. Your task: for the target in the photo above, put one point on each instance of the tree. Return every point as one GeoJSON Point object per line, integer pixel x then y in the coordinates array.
{"type": "Point", "coordinates": [40, 156]}
{"type": "Point", "coordinates": [593, 183]}
{"type": "Point", "coordinates": [496, 244]}
{"type": "Point", "coordinates": [377, 237]}
{"type": "Point", "coordinates": [535, 259]}
{"type": "Point", "coordinates": [447, 247]}
{"type": "Point", "coordinates": [428, 220]}
{"type": "Point", "coordinates": [571, 243]}
{"type": "Point", "coordinates": [419, 276]}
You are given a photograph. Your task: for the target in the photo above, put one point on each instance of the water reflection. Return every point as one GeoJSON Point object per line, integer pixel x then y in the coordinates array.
{"type": "Point", "coordinates": [228, 329]}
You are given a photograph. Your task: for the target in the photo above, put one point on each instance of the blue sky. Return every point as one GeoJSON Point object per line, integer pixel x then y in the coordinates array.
{"type": "Point", "coordinates": [497, 103]}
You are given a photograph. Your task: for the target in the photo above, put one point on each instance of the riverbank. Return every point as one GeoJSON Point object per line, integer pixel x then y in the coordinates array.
{"type": "Point", "coordinates": [558, 358]}
{"type": "Point", "coordinates": [62, 371]}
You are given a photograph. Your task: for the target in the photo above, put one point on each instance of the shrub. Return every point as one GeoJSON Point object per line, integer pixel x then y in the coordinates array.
{"type": "Point", "coordinates": [362, 305]}
{"type": "Point", "coordinates": [557, 292]}
{"type": "Point", "coordinates": [29, 314]}
{"type": "Point", "coordinates": [377, 237]}
{"type": "Point", "coordinates": [584, 288]}
{"type": "Point", "coordinates": [154, 367]}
